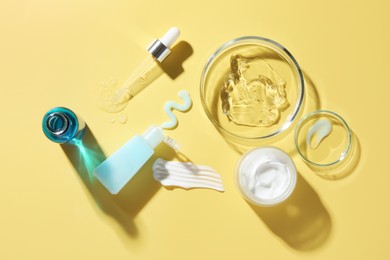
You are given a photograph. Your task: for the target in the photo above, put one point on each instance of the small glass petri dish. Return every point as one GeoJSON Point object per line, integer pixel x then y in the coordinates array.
{"type": "Point", "coordinates": [270, 56]}
{"type": "Point", "coordinates": [265, 176]}
{"type": "Point", "coordinates": [323, 139]}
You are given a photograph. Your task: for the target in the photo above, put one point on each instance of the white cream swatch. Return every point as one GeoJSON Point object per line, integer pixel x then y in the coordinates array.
{"type": "Point", "coordinates": [318, 132]}
{"type": "Point", "coordinates": [186, 175]}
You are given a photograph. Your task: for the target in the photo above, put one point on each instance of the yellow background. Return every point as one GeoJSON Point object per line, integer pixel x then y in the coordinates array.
{"type": "Point", "coordinates": [55, 53]}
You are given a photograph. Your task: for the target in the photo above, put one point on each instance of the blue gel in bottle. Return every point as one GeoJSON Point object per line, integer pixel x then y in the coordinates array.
{"type": "Point", "coordinates": [62, 125]}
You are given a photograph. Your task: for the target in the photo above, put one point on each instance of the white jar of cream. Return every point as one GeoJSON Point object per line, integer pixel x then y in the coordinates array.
{"type": "Point", "coordinates": [265, 176]}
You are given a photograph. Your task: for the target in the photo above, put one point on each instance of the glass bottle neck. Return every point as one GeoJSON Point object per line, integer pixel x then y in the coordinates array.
{"type": "Point", "coordinates": [57, 123]}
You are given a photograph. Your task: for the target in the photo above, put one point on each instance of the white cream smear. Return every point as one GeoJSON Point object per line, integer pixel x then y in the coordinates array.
{"type": "Point", "coordinates": [186, 175]}
{"type": "Point", "coordinates": [267, 180]}
{"type": "Point", "coordinates": [318, 132]}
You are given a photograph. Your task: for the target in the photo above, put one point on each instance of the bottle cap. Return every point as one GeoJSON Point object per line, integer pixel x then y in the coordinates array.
{"type": "Point", "coordinates": [160, 48]}
{"type": "Point", "coordinates": [57, 123]}
{"type": "Point", "coordinates": [154, 136]}
{"type": "Point", "coordinates": [62, 125]}
{"type": "Point", "coordinates": [170, 37]}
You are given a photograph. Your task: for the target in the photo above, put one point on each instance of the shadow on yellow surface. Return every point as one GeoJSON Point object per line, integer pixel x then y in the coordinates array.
{"type": "Point", "coordinates": [173, 64]}
{"type": "Point", "coordinates": [301, 221]}
{"type": "Point", "coordinates": [124, 206]}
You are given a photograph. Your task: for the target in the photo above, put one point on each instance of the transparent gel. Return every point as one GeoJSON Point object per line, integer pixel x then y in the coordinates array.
{"type": "Point", "coordinates": [253, 93]}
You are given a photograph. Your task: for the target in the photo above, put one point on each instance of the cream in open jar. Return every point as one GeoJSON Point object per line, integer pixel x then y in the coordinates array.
{"type": "Point", "coordinates": [266, 176]}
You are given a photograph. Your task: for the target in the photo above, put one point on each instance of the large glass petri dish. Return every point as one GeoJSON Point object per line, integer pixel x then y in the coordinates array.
{"type": "Point", "coordinates": [219, 66]}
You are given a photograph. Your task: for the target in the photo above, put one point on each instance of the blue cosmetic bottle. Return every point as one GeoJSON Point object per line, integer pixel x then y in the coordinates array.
{"type": "Point", "coordinates": [62, 125]}
{"type": "Point", "coordinates": [121, 166]}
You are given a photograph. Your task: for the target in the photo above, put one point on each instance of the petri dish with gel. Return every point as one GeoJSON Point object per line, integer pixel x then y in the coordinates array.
{"type": "Point", "coordinates": [252, 89]}
{"type": "Point", "coordinates": [323, 139]}
{"type": "Point", "coordinates": [265, 176]}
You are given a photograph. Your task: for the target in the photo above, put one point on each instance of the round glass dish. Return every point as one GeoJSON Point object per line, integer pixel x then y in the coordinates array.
{"type": "Point", "coordinates": [220, 65]}
{"type": "Point", "coordinates": [323, 139]}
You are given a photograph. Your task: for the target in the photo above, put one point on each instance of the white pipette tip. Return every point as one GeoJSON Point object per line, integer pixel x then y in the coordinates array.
{"type": "Point", "coordinates": [161, 48]}
{"type": "Point", "coordinates": [170, 37]}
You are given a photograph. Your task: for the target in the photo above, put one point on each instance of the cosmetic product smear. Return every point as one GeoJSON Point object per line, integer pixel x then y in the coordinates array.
{"type": "Point", "coordinates": [318, 132]}
{"type": "Point", "coordinates": [186, 175]}
{"type": "Point", "coordinates": [169, 105]}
